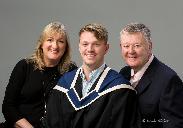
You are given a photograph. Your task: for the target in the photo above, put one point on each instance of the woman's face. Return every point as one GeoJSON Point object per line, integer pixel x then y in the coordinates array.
{"type": "Point", "coordinates": [53, 46]}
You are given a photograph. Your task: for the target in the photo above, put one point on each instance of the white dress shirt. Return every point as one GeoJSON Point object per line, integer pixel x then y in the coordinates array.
{"type": "Point", "coordinates": [135, 77]}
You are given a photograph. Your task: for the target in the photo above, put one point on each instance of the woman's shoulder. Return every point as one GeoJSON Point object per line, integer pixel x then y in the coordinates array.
{"type": "Point", "coordinates": [24, 63]}
{"type": "Point", "coordinates": [21, 63]}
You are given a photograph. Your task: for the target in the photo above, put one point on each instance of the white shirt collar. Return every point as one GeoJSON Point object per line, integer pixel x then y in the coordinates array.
{"type": "Point", "coordinates": [93, 73]}
{"type": "Point", "coordinates": [140, 73]}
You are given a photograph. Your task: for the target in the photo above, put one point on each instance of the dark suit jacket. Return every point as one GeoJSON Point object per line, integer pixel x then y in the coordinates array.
{"type": "Point", "coordinates": [160, 96]}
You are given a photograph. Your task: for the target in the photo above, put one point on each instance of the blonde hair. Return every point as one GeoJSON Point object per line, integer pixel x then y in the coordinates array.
{"type": "Point", "coordinates": [37, 56]}
{"type": "Point", "coordinates": [99, 31]}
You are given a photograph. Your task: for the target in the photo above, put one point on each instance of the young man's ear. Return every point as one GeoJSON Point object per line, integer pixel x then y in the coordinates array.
{"type": "Point", "coordinates": [107, 47]}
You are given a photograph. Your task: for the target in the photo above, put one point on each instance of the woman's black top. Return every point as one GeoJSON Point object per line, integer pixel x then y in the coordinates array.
{"type": "Point", "coordinates": [26, 92]}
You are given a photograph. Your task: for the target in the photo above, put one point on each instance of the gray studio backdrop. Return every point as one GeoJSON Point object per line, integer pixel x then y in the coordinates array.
{"type": "Point", "coordinates": [21, 22]}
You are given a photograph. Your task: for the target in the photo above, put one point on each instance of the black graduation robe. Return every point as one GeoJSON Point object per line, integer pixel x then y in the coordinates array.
{"type": "Point", "coordinates": [111, 102]}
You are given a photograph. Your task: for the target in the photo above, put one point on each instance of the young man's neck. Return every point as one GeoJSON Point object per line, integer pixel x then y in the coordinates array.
{"type": "Point", "coordinates": [87, 69]}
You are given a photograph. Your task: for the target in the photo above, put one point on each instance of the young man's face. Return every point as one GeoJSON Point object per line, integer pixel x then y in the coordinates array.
{"type": "Point", "coordinates": [92, 50]}
{"type": "Point", "coordinates": [135, 50]}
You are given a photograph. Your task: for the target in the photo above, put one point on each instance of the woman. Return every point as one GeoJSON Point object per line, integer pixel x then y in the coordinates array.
{"type": "Point", "coordinates": [33, 78]}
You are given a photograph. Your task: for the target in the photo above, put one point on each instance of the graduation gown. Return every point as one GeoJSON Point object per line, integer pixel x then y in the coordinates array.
{"type": "Point", "coordinates": [111, 102]}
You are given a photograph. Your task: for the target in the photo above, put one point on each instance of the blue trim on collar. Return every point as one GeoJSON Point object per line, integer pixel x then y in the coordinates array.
{"type": "Point", "coordinates": [111, 80]}
{"type": "Point", "coordinates": [81, 102]}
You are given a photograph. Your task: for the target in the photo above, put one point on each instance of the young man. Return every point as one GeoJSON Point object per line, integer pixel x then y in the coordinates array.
{"type": "Point", "coordinates": [159, 89]}
{"type": "Point", "coordinates": [94, 95]}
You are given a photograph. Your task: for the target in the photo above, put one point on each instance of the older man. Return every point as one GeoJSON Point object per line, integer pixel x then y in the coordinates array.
{"type": "Point", "coordinates": [159, 89]}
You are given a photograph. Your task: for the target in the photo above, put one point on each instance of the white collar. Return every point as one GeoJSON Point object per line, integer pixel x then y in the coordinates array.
{"type": "Point", "coordinates": [140, 73]}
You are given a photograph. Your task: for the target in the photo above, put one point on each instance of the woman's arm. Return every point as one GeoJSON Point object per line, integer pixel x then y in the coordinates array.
{"type": "Point", "coordinates": [11, 99]}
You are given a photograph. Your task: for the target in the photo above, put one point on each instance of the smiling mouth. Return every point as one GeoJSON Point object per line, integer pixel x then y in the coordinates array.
{"type": "Point", "coordinates": [90, 55]}
{"type": "Point", "coordinates": [132, 57]}
{"type": "Point", "coordinates": [54, 51]}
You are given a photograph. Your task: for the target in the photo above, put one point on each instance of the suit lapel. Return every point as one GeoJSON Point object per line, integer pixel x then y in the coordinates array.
{"type": "Point", "coordinates": [146, 79]}
{"type": "Point", "coordinates": [143, 84]}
